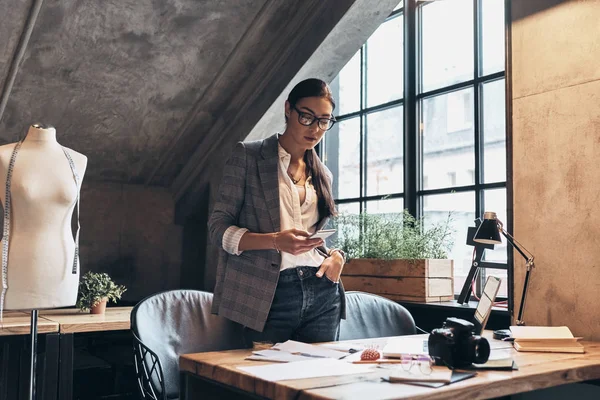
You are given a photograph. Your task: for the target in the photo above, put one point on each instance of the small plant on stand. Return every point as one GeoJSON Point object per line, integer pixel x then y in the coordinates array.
{"type": "Point", "coordinates": [95, 290]}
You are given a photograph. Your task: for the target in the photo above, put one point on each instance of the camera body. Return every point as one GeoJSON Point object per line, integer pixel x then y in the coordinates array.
{"type": "Point", "coordinates": [455, 344]}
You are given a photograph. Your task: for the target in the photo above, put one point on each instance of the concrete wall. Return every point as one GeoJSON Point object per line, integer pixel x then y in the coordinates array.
{"type": "Point", "coordinates": [128, 231]}
{"type": "Point", "coordinates": [556, 171]}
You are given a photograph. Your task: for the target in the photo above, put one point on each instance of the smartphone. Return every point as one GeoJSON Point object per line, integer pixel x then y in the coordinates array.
{"type": "Point", "coordinates": [322, 234]}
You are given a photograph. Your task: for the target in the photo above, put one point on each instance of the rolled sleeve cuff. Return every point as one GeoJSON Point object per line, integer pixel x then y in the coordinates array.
{"type": "Point", "coordinates": [231, 239]}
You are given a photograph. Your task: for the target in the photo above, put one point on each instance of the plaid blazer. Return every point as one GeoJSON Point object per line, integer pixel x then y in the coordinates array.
{"type": "Point", "coordinates": [248, 197]}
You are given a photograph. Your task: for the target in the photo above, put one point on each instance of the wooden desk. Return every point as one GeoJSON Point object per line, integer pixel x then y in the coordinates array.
{"type": "Point", "coordinates": [536, 371]}
{"type": "Point", "coordinates": [19, 323]}
{"type": "Point", "coordinates": [71, 321]}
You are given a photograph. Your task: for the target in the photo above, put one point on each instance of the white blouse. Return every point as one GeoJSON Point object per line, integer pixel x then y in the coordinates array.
{"type": "Point", "coordinates": [292, 215]}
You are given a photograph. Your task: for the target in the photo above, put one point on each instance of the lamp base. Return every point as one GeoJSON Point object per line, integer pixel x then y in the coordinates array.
{"type": "Point", "coordinates": [501, 334]}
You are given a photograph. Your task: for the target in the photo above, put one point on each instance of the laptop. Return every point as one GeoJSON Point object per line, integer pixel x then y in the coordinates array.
{"type": "Point", "coordinates": [484, 308]}
{"type": "Point", "coordinates": [397, 347]}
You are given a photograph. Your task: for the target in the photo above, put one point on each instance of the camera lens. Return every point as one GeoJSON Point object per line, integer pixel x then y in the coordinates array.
{"type": "Point", "coordinates": [479, 348]}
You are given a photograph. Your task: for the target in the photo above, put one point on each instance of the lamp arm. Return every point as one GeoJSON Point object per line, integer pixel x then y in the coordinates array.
{"type": "Point", "coordinates": [524, 296]}
{"type": "Point", "coordinates": [527, 256]}
{"type": "Point", "coordinates": [528, 264]}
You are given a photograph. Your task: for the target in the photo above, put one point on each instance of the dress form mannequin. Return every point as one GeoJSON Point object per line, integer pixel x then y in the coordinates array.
{"type": "Point", "coordinates": [41, 245]}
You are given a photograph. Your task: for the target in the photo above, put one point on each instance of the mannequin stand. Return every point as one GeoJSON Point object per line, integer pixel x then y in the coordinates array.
{"type": "Point", "coordinates": [33, 355]}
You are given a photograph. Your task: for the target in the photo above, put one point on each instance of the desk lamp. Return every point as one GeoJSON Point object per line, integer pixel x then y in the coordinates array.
{"type": "Point", "coordinates": [489, 233]}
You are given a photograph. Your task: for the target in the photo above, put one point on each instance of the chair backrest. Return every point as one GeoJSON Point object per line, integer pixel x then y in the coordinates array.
{"type": "Point", "coordinates": [176, 322]}
{"type": "Point", "coordinates": [370, 316]}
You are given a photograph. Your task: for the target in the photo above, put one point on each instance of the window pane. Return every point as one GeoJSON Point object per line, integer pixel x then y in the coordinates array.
{"type": "Point", "coordinates": [346, 87]}
{"type": "Point", "coordinates": [388, 206]}
{"type": "Point", "coordinates": [447, 140]}
{"type": "Point", "coordinates": [493, 36]}
{"type": "Point", "coordinates": [462, 206]}
{"type": "Point", "coordinates": [495, 200]}
{"type": "Point", "coordinates": [494, 135]}
{"type": "Point", "coordinates": [342, 157]}
{"type": "Point", "coordinates": [385, 69]}
{"type": "Point", "coordinates": [399, 6]}
{"type": "Point", "coordinates": [344, 210]}
{"type": "Point", "coordinates": [385, 146]}
{"type": "Point", "coordinates": [349, 208]}
{"type": "Point", "coordinates": [447, 40]}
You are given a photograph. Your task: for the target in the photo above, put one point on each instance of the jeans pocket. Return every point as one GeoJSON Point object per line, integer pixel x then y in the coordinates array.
{"type": "Point", "coordinates": [330, 281]}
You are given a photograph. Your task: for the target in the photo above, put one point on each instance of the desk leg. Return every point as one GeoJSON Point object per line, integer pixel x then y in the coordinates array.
{"type": "Point", "coordinates": [49, 388]}
{"type": "Point", "coordinates": [65, 374]}
{"type": "Point", "coordinates": [183, 380]}
{"type": "Point", "coordinates": [11, 358]}
{"type": "Point", "coordinates": [24, 371]}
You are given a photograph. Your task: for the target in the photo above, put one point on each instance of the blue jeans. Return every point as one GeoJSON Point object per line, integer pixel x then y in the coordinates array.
{"type": "Point", "coordinates": [305, 308]}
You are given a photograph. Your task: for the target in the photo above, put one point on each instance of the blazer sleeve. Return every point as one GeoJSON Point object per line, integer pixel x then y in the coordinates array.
{"type": "Point", "coordinates": [230, 196]}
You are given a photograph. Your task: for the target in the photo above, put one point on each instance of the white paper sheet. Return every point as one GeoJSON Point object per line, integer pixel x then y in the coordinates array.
{"type": "Point", "coordinates": [396, 347]}
{"type": "Point", "coordinates": [276, 356]}
{"type": "Point", "coordinates": [291, 346]}
{"type": "Point", "coordinates": [306, 369]}
{"type": "Point", "coordinates": [344, 346]}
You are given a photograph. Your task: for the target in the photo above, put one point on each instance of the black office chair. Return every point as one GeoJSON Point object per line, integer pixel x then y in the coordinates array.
{"type": "Point", "coordinates": [168, 324]}
{"type": "Point", "coordinates": [371, 316]}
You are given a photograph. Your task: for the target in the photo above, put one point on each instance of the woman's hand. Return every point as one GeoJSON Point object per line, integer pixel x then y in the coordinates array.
{"type": "Point", "coordinates": [332, 267]}
{"type": "Point", "coordinates": [295, 241]}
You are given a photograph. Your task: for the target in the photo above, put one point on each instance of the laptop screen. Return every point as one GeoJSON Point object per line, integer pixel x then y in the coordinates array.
{"type": "Point", "coordinates": [484, 308]}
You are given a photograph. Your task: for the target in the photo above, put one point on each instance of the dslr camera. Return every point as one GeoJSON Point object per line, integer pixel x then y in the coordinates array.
{"type": "Point", "coordinates": [456, 346]}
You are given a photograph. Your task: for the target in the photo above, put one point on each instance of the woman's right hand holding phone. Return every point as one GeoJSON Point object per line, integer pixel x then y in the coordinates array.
{"type": "Point", "coordinates": [295, 241]}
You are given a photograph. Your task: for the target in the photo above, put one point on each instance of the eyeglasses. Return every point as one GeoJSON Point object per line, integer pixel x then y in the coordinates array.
{"type": "Point", "coordinates": [307, 119]}
{"type": "Point", "coordinates": [425, 363]}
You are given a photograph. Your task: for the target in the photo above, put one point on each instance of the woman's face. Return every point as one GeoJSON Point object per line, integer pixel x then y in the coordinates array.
{"type": "Point", "coordinates": [307, 108]}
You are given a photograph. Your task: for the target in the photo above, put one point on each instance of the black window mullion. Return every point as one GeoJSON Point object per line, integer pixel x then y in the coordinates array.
{"type": "Point", "coordinates": [509, 157]}
{"type": "Point", "coordinates": [477, 87]}
{"type": "Point", "coordinates": [363, 103]}
{"type": "Point", "coordinates": [410, 108]}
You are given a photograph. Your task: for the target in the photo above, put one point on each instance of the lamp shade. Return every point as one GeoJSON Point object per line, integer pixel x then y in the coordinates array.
{"type": "Point", "coordinates": [488, 230]}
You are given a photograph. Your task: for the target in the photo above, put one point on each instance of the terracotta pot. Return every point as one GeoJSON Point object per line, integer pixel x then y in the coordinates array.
{"type": "Point", "coordinates": [100, 307]}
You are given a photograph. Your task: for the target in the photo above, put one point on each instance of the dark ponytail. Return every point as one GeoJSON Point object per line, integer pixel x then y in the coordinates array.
{"type": "Point", "coordinates": [314, 167]}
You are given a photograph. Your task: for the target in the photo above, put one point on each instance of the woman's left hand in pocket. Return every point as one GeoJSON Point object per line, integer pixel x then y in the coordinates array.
{"type": "Point", "coordinates": [332, 267]}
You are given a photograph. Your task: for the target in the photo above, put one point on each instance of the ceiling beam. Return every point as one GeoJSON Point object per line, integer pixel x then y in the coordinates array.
{"type": "Point", "coordinates": [220, 79]}
{"type": "Point", "coordinates": [265, 112]}
{"type": "Point", "coordinates": [19, 54]}
{"type": "Point", "coordinates": [300, 32]}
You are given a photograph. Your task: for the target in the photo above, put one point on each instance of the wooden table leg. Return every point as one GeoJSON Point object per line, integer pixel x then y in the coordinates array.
{"type": "Point", "coordinates": [49, 387]}
{"type": "Point", "coordinates": [11, 359]}
{"type": "Point", "coordinates": [183, 379]}
{"type": "Point", "coordinates": [65, 373]}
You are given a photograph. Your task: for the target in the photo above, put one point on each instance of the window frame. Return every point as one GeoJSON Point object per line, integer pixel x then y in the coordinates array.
{"type": "Point", "coordinates": [412, 192]}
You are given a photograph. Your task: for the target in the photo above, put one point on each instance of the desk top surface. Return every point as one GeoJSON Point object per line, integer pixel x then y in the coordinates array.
{"type": "Point", "coordinates": [536, 371]}
{"type": "Point", "coordinates": [19, 323]}
{"type": "Point", "coordinates": [72, 320]}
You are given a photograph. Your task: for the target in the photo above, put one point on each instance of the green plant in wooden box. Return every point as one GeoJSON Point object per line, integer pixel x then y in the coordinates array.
{"type": "Point", "coordinates": [95, 289]}
{"type": "Point", "coordinates": [397, 255]}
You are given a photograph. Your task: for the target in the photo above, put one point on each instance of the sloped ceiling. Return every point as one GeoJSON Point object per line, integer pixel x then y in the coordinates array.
{"type": "Point", "coordinates": [118, 78]}
{"type": "Point", "coordinates": [140, 86]}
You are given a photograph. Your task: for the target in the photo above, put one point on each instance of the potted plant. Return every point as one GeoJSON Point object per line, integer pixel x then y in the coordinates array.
{"type": "Point", "coordinates": [397, 256]}
{"type": "Point", "coordinates": [95, 289]}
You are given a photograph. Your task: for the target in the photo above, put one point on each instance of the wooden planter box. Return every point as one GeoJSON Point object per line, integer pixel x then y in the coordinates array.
{"type": "Point", "coordinates": [407, 280]}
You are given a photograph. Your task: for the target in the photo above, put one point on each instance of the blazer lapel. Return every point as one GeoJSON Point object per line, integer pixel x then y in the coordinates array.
{"type": "Point", "coordinates": [268, 170]}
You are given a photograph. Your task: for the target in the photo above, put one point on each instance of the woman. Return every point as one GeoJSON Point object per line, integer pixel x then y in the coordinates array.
{"type": "Point", "coordinates": [272, 277]}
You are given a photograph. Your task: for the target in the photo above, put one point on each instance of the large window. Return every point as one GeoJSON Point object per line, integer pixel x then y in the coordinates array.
{"type": "Point", "coordinates": [422, 121]}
